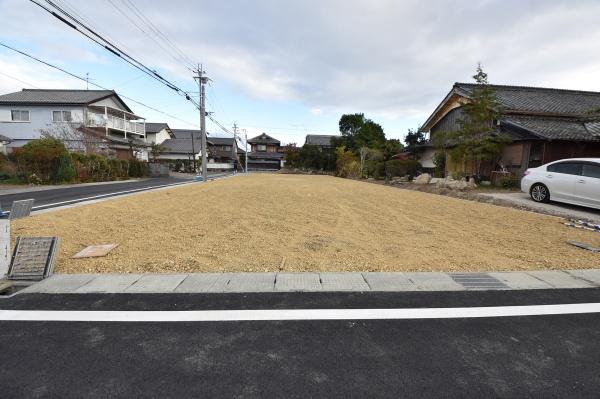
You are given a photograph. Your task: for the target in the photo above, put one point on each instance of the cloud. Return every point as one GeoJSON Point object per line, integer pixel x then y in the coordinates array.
{"type": "Point", "coordinates": [390, 59]}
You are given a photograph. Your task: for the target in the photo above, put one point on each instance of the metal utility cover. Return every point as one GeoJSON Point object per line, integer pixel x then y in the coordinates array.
{"type": "Point", "coordinates": [95, 251]}
{"type": "Point", "coordinates": [478, 281]}
{"type": "Point", "coordinates": [21, 209]}
{"type": "Point", "coordinates": [33, 258]}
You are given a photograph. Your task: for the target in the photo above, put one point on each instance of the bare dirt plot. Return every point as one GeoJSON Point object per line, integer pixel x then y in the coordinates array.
{"type": "Point", "coordinates": [271, 222]}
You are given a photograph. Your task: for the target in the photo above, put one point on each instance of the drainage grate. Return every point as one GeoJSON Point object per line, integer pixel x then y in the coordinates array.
{"type": "Point", "coordinates": [20, 209]}
{"type": "Point", "coordinates": [33, 258]}
{"type": "Point", "coordinates": [478, 281]}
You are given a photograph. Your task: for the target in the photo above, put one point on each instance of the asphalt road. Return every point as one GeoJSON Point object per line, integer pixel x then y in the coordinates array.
{"type": "Point", "coordinates": [533, 356]}
{"type": "Point", "coordinates": [79, 192]}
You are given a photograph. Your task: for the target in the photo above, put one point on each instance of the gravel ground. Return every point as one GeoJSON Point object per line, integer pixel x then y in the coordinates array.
{"type": "Point", "coordinates": [273, 222]}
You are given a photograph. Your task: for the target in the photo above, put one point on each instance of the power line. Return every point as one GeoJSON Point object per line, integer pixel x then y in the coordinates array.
{"type": "Point", "coordinates": [106, 44]}
{"type": "Point", "coordinates": [18, 80]}
{"type": "Point", "coordinates": [93, 84]}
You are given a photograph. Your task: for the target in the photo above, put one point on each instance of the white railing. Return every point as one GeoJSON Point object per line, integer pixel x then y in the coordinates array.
{"type": "Point", "coordinates": [109, 121]}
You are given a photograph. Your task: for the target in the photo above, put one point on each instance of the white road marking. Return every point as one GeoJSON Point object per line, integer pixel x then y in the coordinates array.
{"type": "Point", "coordinates": [295, 314]}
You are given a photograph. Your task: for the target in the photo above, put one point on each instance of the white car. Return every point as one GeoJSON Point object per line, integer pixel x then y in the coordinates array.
{"type": "Point", "coordinates": [573, 181]}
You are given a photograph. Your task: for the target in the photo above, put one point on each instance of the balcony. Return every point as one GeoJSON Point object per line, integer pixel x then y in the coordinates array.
{"type": "Point", "coordinates": [115, 120]}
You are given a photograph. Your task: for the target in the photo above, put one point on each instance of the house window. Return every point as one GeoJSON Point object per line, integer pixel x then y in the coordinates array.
{"type": "Point", "coordinates": [61, 116]}
{"type": "Point", "coordinates": [19, 116]}
{"type": "Point", "coordinates": [261, 147]}
{"type": "Point", "coordinates": [227, 148]}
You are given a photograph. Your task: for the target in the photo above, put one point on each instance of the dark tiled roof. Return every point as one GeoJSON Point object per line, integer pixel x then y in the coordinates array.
{"type": "Point", "coordinates": [265, 155]}
{"type": "Point", "coordinates": [50, 96]}
{"type": "Point", "coordinates": [263, 139]}
{"type": "Point", "coordinates": [4, 138]}
{"type": "Point", "coordinates": [186, 133]}
{"type": "Point", "coordinates": [221, 140]}
{"type": "Point", "coordinates": [181, 146]}
{"type": "Point", "coordinates": [540, 100]}
{"type": "Point", "coordinates": [552, 128]}
{"type": "Point", "coordinates": [152, 127]}
{"type": "Point", "coordinates": [319, 139]}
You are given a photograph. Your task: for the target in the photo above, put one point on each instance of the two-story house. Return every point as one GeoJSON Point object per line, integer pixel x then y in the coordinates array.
{"type": "Point", "coordinates": [157, 133]}
{"type": "Point", "coordinates": [266, 153]}
{"type": "Point", "coordinates": [27, 114]}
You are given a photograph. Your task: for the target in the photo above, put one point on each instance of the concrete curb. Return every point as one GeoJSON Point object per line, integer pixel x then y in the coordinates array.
{"type": "Point", "coordinates": [313, 282]}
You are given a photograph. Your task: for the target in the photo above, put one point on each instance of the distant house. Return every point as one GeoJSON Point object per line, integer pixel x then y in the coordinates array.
{"type": "Point", "coordinates": [320, 140]}
{"type": "Point", "coordinates": [266, 153]}
{"type": "Point", "coordinates": [544, 124]}
{"type": "Point", "coordinates": [25, 114]}
{"type": "Point", "coordinates": [222, 152]}
{"type": "Point", "coordinates": [156, 133]}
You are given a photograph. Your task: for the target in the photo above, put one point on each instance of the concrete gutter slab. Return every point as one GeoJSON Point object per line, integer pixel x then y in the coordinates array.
{"type": "Point", "coordinates": [205, 282]}
{"type": "Point", "coordinates": [592, 276]}
{"type": "Point", "coordinates": [61, 283]}
{"type": "Point", "coordinates": [560, 279]}
{"type": "Point", "coordinates": [389, 282]}
{"type": "Point", "coordinates": [112, 283]}
{"type": "Point", "coordinates": [252, 282]}
{"type": "Point", "coordinates": [157, 283]}
{"type": "Point", "coordinates": [434, 281]}
{"type": "Point", "coordinates": [344, 282]}
{"type": "Point", "coordinates": [520, 281]}
{"type": "Point", "coordinates": [298, 282]}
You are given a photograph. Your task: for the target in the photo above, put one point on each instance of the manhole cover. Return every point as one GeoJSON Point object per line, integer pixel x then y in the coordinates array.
{"type": "Point", "coordinates": [33, 258]}
{"type": "Point", "coordinates": [20, 209]}
{"type": "Point", "coordinates": [478, 281]}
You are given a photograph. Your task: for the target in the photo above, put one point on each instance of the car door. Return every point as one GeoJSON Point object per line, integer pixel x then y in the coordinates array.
{"type": "Point", "coordinates": [587, 186]}
{"type": "Point", "coordinates": [561, 178]}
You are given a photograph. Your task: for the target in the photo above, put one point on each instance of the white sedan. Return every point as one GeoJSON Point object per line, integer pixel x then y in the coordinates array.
{"type": "Point", "coordinates": [573, 181]}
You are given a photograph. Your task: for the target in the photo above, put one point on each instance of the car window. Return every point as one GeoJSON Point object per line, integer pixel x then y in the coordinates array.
{"type": "Point", "coordinates": [590, 170]}
{"type": "Point", "coordinates": [567, 168]}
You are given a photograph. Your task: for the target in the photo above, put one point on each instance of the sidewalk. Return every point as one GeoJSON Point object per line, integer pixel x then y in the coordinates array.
{"type": "Point", "coordinates": [313, 282]}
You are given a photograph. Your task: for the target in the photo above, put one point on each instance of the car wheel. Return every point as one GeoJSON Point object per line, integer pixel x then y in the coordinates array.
{"type": "Point", "coordinates": [539, 193]}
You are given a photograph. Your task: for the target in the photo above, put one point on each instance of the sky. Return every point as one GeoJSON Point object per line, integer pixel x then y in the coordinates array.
{"type": "Point", "coordinates": [291, 68]}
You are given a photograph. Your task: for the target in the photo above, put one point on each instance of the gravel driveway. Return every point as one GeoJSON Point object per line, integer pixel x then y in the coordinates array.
{"type": "Point", "coordinates": [553, 208]}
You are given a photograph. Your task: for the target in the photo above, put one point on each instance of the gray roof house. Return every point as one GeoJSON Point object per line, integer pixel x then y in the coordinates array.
{"type": "Point", "coordinates": [545, 124]}
{"type": "Point", "coordinates": [319, 140]}
{"type": "Point", "coordinates": [25, 114]}
{"type": "Point", "coordinates": [157, 133]}
{"type": "Point", "coordinates": [266, 153]}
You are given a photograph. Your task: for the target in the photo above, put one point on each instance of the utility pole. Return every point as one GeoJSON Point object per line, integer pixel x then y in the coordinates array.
{"type": "Point", "coordinates": [202, 79]}
{"type": "Point", "coordinates": [234, 146]}
{"type": "Point", "coordinates": [246, 157]}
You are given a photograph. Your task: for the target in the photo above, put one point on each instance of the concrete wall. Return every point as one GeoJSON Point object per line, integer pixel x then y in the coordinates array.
{"type": "Point", "coordinates": [40, 117]}
{"type": "Point", "coordinates": [426, 158]}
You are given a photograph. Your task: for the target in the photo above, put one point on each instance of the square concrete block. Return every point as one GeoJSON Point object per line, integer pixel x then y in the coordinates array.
{"type": "Point", "coordinates": [434, 281]}
{"type": "Point", "coordinates": [591, 275]}
{"type": "Point", "coordinates": [110, 283]}
{"type": "Point", "coordinates": [298, 282]}
{"type": "Point", "coordinates": [389, 282]}
{"type": "Point", "coordinates": [560, 279]}
{"type": "Point", "coordinates": [343, 282]}
{"type": "Point", "coordinates": [205, 282]}
{"type": "Point", "coordinates": [520, 280]}
{"type": "Point", "coordinates": [61, 283]}
{"type": "Point", "coordinates": [252, 282]}
{"type": "Point", "coordinates": [156, 283]}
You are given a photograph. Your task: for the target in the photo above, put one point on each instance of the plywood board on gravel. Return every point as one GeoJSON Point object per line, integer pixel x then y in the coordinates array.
{"type": "Point", "coordinates": [317, 223]}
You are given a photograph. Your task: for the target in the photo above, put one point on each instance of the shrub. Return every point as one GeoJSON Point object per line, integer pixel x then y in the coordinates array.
{"type": "Point", "coordinates": [65, 172]}
{"type": "Point", "coordinates": [40, 158]}
{"type": "Point", "coordinates": [403, 167]}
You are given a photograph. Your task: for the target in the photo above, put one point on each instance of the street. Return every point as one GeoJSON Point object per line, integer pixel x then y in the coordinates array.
{"type": "Point", "coordinates": [526, 356]}
{"type": "Point", "coordinates": [63, 196]}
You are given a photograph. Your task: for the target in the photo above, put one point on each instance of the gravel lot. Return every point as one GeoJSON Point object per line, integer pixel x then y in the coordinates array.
{"type": "Point", "coordinates": [273, 222]}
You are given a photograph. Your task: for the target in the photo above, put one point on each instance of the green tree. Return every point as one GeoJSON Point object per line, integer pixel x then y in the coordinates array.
{"type": "Point", "coordinates": [358, 131]}
{"type": "Point", "coordinates": [391, 148]}
{"type": "Point", "coordinates": [477, 139]}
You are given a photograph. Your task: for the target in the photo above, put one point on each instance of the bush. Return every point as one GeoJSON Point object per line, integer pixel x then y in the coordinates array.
{"type": "Point", "coordinates": [508, 182]}
{"type": "Point", "coordinates": [403, 167]}
{"type": "Point", "coordinates": [40, 158]}
{"type": "Point", "coordinates": [65, 172]}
